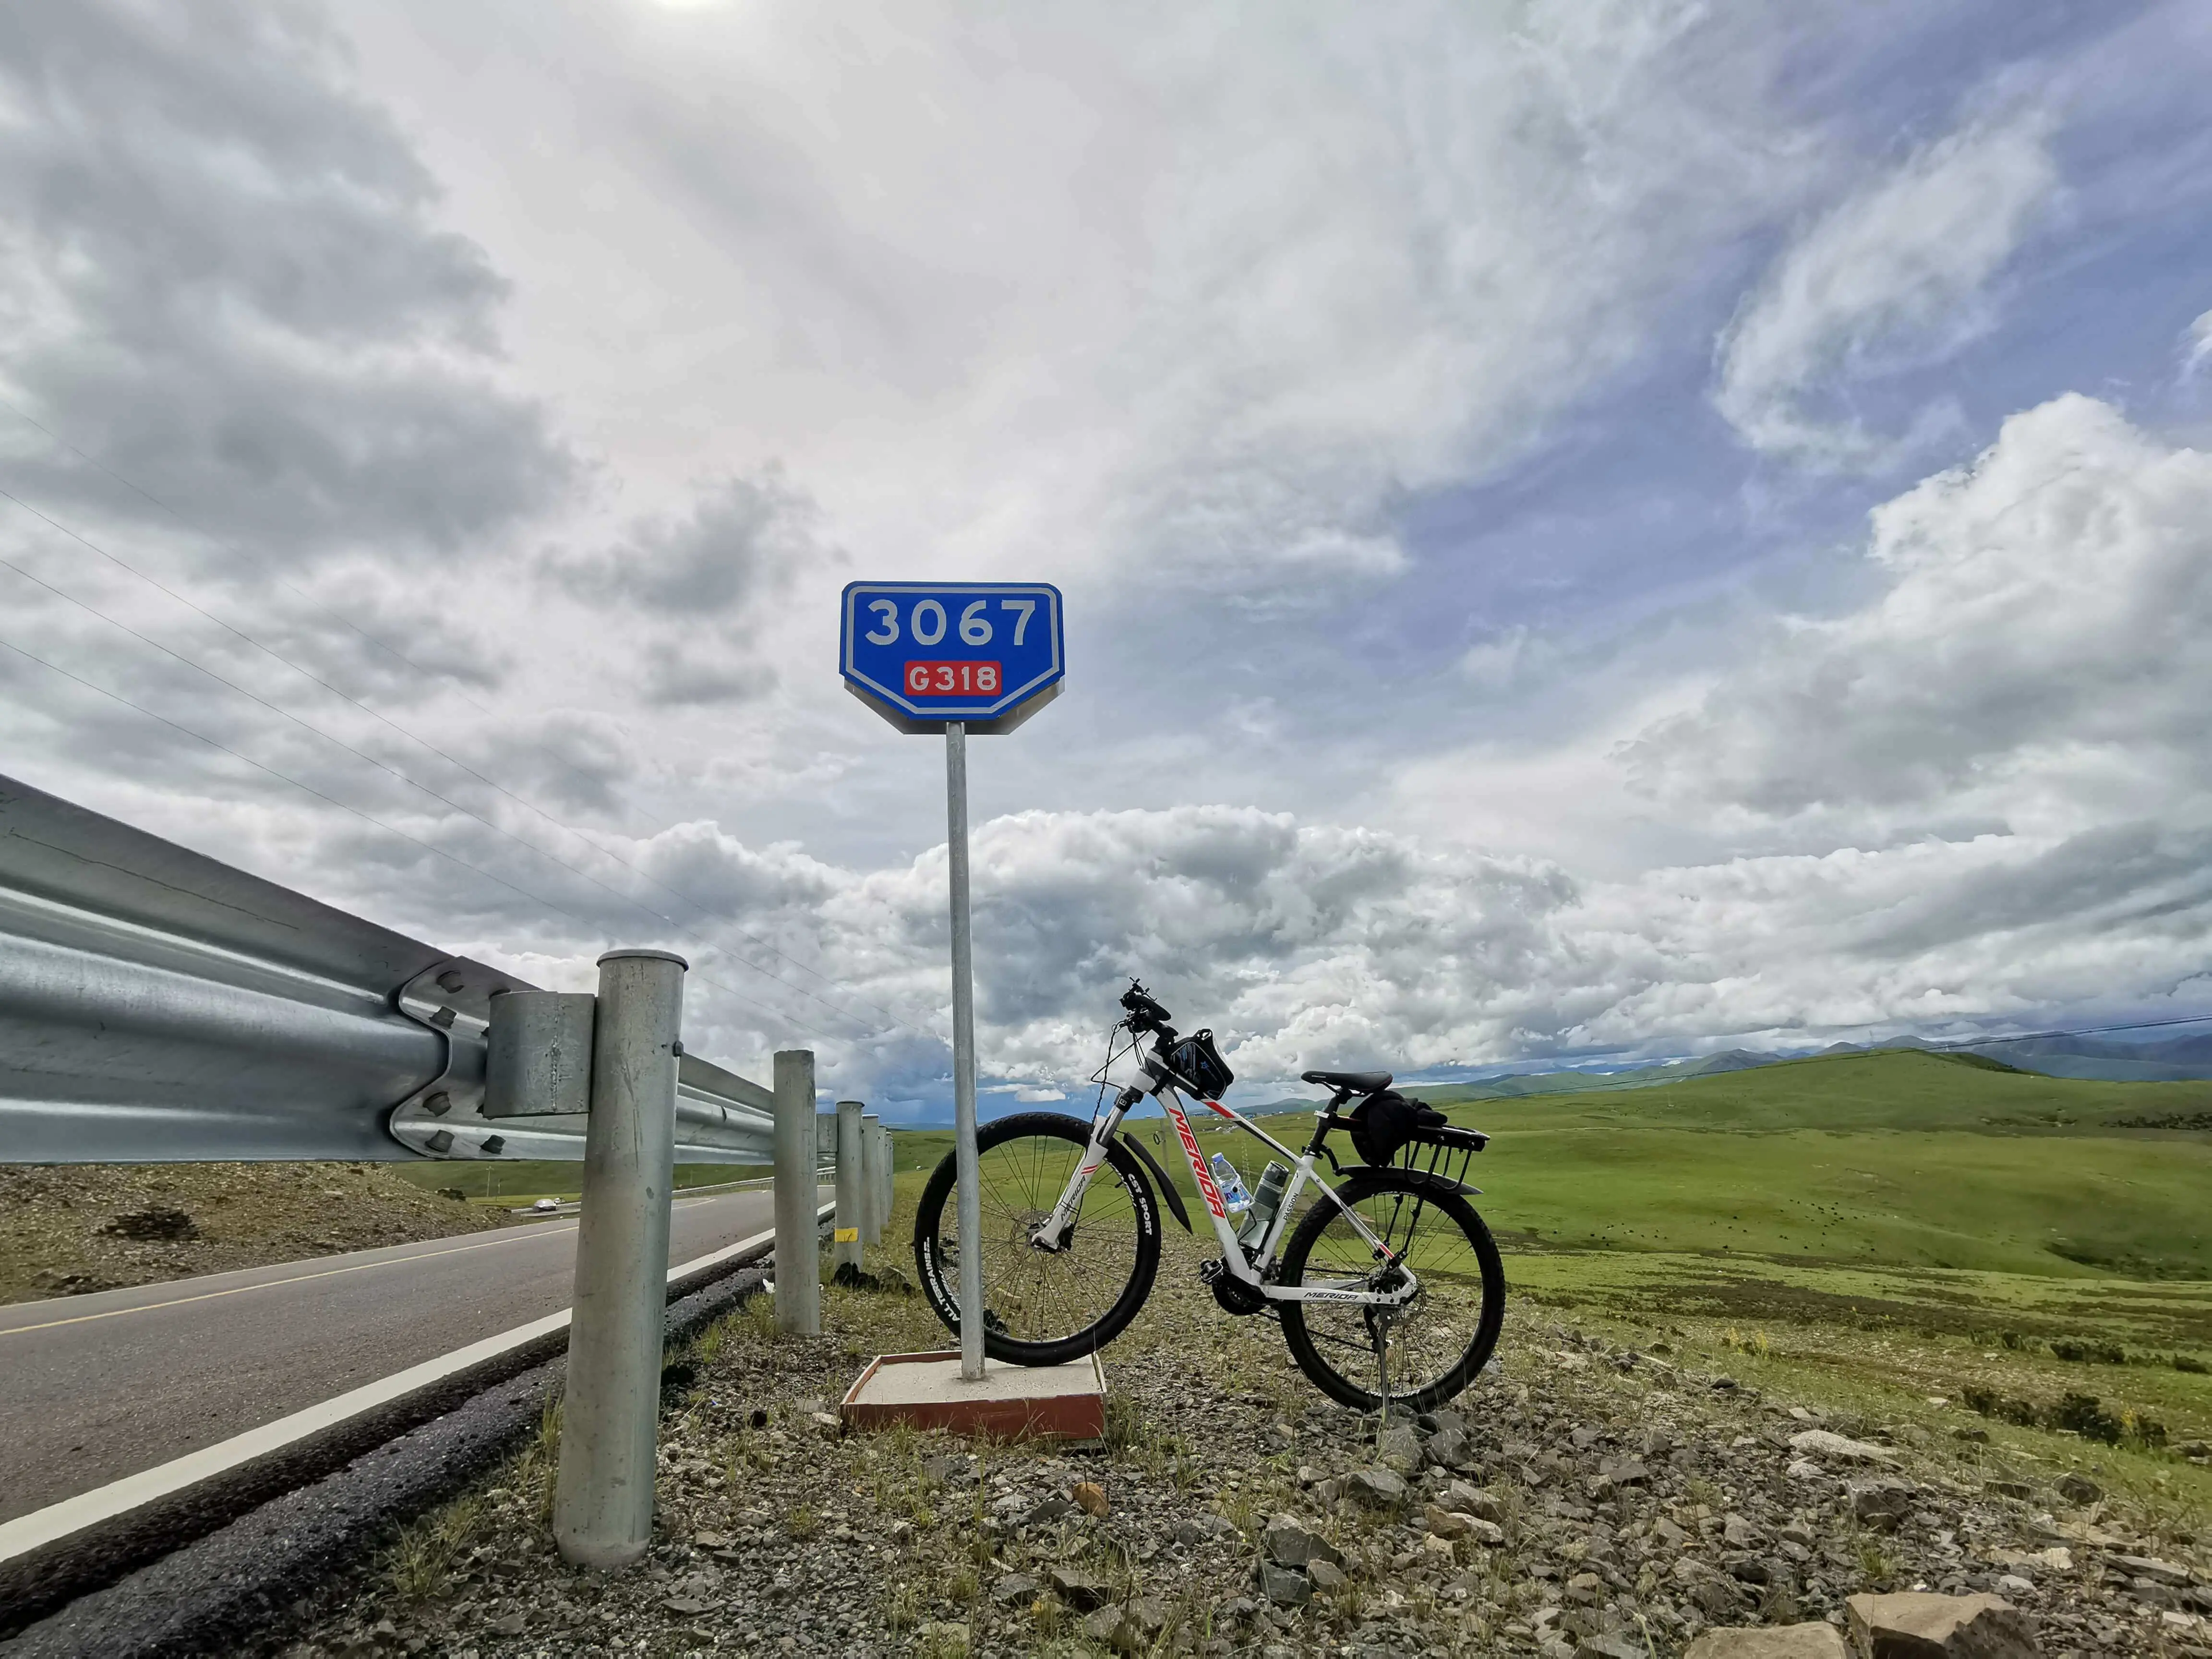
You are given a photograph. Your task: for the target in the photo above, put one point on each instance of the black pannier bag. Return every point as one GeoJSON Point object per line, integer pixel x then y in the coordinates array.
{"type": "Point", "coordinates": [1195, 1061]}
{"type": "Point", "coordinates": [1383, 1123]}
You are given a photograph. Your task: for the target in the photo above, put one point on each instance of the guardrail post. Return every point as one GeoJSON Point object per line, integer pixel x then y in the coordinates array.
{"type": "Point", "coordinates": [797, 1226]}
{"type": "Point", "coordinates": [885, 1174]}
{"type": "Point", "coordinates": [603, 1504]}
{"type": "Point", "coordinates": [871, 1169]}
{"type": "Point", "coordinates": [851, 1187]}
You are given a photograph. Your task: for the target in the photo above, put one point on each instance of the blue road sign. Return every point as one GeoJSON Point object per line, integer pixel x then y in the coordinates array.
{"type": "Point", "coordinates": [924, 655]}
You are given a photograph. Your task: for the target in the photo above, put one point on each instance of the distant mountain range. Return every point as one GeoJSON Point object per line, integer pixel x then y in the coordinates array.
{"type": "Point", "coordinates": [2167, 1060]}
{"type": "Point", "coordinates": [2170, 1060]}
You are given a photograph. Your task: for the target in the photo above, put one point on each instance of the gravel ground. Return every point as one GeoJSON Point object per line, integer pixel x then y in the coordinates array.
{"type": "Point", "coordinates": [1584, 1501]}
{"type": "Point", "coordinates": [72, 1229]}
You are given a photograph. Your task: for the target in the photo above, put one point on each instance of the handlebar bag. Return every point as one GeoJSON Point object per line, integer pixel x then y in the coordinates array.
{"type": "Point", "coordinates": [1195, 1061]}
{"type": "Point", "coordinates": [1384, 1122]}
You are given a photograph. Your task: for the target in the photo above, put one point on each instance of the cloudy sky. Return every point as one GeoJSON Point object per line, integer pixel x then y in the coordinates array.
{"type": "Point", "coordinates": [1588, 527]}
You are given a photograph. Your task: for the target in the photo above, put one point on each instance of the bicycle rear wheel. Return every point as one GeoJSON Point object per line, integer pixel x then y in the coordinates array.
{"type": "Point", "coordinates": [1437, 1342]}
{"type": "Point", "coordinates": [1041, 1307]}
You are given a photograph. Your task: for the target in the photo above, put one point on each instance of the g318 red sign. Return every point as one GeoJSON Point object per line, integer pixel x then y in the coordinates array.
{"type": "Point", "coordinates": [952, 679]}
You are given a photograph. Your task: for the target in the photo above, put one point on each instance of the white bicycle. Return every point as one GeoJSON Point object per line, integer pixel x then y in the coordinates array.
{"type": "Point", "coordinates": [1390, 1275]}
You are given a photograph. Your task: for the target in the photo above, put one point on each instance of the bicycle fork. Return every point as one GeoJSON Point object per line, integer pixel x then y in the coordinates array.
{"type": "Point", "coordinates": [1053, 1235]}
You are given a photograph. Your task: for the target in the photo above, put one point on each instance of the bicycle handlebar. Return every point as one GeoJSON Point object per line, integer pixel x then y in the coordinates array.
{"type": "Point", "coordinates": [1144, 1014]}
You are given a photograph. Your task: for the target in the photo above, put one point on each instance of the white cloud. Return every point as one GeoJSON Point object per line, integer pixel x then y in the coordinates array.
{"type": "Point", "coordinates": [2040, 661]}
{"type": "Point", "coordinates": [1240, 283]}
{"type": "Point", "coordinates": [1895, 277]}
{"type": "Point", "coordinates": [1180, 314]}
{"type": "Point", "coordinates": [2199, 344]}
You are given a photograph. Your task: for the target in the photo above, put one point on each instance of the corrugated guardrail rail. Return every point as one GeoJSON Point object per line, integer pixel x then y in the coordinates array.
{"type": "Point", "coordinates": [158, 1005]}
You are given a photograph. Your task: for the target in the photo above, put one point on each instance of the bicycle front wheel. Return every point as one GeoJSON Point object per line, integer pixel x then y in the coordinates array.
{"type": "Point", "coordinates": [1043, 1307]}
{"type": "Point", "coordinates": [1435, 1343]}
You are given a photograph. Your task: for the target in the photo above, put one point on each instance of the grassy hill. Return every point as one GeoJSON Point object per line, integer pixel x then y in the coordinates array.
{"type": "Point", "coordinates": [1895, 1234]}
{"type": "Point", "coordinates": [1887, 1089]}
{"type": "Point", "coordinates": [1897, 1158]}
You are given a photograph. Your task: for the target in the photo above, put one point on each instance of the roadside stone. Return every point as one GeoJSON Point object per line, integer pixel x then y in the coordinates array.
{"type": "Point", "coordinates": [1015, 1590]}
{"type": "Point", "coordinates": [1602, 1646]}
{"type": "Point", "coordinates": [1326, 1575]}
{"type": "Point", "coordinates": [1286, 1587]}
{"type": "Point", "coordinates": [1813, 1641]}
{"type": "Point", "coordinates": [954, 1470]}
{"type": "Point", "coordinates": [1878, 1504]}
{"type": "Point", "coordinates": [2078, 1489]}
{"type": "Point", "coordinates": [1126, 1629]}
{"type": "Point", "coordinates": [942, 1636]}
{"type": "Point", "coordinates": [1376, 1488]}
{"type": "Point", "coordinates": [1916, 1624]}
{"type": "Point", "coordinates": [1199, 1528]}
{"type": "Point", "coordinates": [1463, 1499]}
{"type": "Point", "coordinates": [1451, 1447]}
{"type": "Point", "coordinates": [1840, 1449]}
{"type": "Point", "coordinates": [1716, 1595]}
{"type": "Point", "coordinates": [1399, 1449]}
{"type": "Point", "coordinates": [1289, 1542]}
{"type": "Point", "coordinates": [1081, 1590]}
{"type": "Point", "coordinates": [2159, 1572]}
{"type": "Point", "coordinates": [1447, 1523]}
{"type": "Point", "coordinates": [1056, 1508]}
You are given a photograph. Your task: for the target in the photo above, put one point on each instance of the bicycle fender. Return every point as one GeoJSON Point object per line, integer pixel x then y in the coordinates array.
{"type": "Point", "coordinates": [1168, 1193]}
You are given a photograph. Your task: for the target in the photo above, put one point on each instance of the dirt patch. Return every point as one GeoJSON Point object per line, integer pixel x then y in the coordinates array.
{"type": "Point", "coordinates": [70, 1229]}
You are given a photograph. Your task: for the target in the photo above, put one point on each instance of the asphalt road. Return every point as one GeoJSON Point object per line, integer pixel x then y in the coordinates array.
{"type": "Point", "coordinates": [96, 1388]}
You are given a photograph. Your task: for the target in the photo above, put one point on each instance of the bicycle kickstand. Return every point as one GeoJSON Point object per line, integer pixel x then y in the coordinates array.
{"type": "Point", "coordinates": [1383, 1380]}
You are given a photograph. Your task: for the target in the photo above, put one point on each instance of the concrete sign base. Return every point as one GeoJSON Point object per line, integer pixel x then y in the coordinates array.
{"type": "Point", "coordinates": [1007, 1402]}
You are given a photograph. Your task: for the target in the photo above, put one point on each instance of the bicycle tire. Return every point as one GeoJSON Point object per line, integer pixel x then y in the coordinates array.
{"type": "Point", "coordinates": [1466, 1228]}
{"type": "Point", "coordinates": [1016, 1277]}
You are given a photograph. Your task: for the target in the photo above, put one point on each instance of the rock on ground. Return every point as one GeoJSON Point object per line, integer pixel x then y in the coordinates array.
{"type": "Point", "coordinates": [1919, 1625]}
{"type": "Point", "coordinates": [1814, 1641]}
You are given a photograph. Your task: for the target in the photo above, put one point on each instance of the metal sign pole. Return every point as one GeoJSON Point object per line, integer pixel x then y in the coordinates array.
{"type": "Point", "coordinates": [964, 1056]}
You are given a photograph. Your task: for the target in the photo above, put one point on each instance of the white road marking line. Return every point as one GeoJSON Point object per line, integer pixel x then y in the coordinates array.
{"type": "Point", "coordinates": [301, 1279]}
{"type": "Point", "coordinates": [73, 1515]}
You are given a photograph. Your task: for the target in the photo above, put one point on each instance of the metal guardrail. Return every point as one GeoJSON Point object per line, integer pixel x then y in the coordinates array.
{"type": "Point", "coordinates": [157, 1006]}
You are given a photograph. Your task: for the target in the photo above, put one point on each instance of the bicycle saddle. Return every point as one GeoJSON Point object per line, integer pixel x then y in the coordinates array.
{"type": "Point", "coordinates": [1353, 1082]}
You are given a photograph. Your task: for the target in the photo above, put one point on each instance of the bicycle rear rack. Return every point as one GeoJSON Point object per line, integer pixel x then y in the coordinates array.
{"type": "Point", "coordinates": [1442, 1152]}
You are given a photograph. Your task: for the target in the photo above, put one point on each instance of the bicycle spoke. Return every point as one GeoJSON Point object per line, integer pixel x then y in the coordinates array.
{"type": "Point", "coordinates": [1426, 1338]}
{"type": "Point", "coordinates": [1035, 1296]}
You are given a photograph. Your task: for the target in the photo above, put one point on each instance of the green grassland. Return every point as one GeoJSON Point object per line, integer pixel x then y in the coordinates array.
{"type": "Point", "coordinates": [1891, 1234]}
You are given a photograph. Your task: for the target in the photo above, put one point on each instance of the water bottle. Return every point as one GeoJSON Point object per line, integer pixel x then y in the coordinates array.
{"type": "Point", "coordinates": [1265, 1202]}
{"type": "Point", "coordinates": [1231, 1184]}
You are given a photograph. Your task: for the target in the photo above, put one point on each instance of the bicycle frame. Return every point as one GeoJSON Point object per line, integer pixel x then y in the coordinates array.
{"type": "Point", "coordinates": [1250, 1270]}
